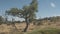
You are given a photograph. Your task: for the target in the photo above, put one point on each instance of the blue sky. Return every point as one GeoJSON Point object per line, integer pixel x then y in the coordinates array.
{"type": "Point", "coordinates": [46, 8]}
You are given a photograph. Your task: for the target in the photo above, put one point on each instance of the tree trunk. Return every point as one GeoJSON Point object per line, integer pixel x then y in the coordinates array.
{"type": "Point", "coordinates": [27, 24]}
{"type": "Point", "coordinates": [15, 28]}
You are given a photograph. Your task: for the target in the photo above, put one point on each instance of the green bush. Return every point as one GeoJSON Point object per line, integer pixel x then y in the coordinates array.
{"type": "Point", "coordinates": [46, 31]}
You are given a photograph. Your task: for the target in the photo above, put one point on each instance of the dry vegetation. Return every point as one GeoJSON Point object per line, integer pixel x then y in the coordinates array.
{"type": "Point", "coordinates": [35, 25]}
{"type": "Point", "coordinates": [9, 29]}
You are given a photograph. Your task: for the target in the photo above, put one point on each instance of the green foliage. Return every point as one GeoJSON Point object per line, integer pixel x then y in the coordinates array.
{"type": "Point", "coordinates": [1, 19]}
{"type": "Point", "coordinates": [13, 11]}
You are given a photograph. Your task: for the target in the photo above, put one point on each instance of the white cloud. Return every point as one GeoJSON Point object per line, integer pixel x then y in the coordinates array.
{"type": "Point", "coordinates": [53, 5]}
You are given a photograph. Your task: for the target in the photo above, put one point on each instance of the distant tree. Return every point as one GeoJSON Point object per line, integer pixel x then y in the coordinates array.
{"type": "Point", "coordinates": [28, 12]}
{"type": "Point", "coordinates": [1, 19]}
{"type": "Point", "coordinates": [5, 18]}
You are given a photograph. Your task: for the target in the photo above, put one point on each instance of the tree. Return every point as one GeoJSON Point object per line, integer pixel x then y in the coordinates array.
{"type": "Point", "coordinates": [28, 12]}
{"type": "Point", "coordinates": [6, 18]}
{"type": "Point", "coordinates": [1, 19]}
{"type": "Point", "coordinates": [13, 12]}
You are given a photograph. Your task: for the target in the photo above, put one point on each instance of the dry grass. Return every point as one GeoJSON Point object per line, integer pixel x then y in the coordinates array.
{"type": "Point", "coordinates": [4, 28]}
{"type": "Point", "coordinates": [9, 29]}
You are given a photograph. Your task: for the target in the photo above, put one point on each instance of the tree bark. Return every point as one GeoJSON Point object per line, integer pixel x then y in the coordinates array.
{"type": "Point", "coordinates": [27, 24]}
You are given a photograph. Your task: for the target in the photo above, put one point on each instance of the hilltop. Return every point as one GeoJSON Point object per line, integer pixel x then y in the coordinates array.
{"type": "Point", "coordinates": [44, 23]}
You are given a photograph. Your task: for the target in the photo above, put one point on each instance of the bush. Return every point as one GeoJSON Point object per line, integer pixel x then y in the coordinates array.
{"type": "Point", "coordinates": [38, 23]}
{"type": "Point", "coordinates": [46, 31]}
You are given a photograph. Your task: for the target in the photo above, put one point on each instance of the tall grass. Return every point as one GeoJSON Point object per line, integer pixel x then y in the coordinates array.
{"type": "Point", "coordinates": [46, 31]}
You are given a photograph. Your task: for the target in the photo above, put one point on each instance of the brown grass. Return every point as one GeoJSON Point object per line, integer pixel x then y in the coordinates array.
{"type": "Point", "coordinates": [9, 29]}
